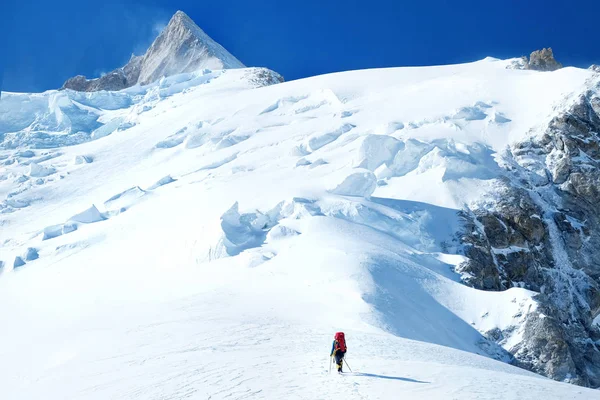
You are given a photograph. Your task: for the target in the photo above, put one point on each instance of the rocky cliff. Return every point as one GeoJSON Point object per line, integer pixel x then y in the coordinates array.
{"type": "Point", "coordinates": [539, 60]}
{"type": "Point", "coordinates": [542, 232]}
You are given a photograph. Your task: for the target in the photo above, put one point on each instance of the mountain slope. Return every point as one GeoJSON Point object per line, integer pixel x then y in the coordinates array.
{"type": "Point", "coordinates": [214, 234]}
{"type": "Point", "coordinates": [181, 47]}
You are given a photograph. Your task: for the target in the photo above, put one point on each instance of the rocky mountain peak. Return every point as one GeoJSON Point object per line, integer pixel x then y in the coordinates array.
{"type": "Point", "coordinates": [181, 18]}
{"type": "Point", "coordinates": [181, 47]}
{"type": "Point", "coordinates": [539, 60]}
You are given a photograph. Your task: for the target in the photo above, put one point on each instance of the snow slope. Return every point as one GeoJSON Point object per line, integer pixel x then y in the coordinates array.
{"type": "Point", "coordinates": [204, 238]}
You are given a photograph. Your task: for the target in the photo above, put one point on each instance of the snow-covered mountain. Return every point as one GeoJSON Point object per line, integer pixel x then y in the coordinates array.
{"type": "Point", "coordinates": [206, 234]}
{"type": "Point", "coordinates": [181, 47]}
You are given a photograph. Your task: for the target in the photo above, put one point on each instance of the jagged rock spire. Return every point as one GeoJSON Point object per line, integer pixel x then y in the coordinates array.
{"type": "Point", "coordinates": [539, 60]}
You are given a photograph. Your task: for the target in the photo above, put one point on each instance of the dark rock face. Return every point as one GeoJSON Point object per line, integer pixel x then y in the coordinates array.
{"type": "Point", "coordinates": [542, 233]}
{"type": "Point", "coordinates": [118, 79]}
{"type": "Point", "coordinates": [539, 60]}
{"type": "Point", "coordinates": [181, 47]}
{"type": "Point", "coordinates": [506, 245]}
{"type": "Point", "coordinates": [543, 60]}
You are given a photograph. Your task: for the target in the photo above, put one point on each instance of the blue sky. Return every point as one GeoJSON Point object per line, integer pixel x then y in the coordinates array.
{"type": "Point", "coordinates": [45, 42]}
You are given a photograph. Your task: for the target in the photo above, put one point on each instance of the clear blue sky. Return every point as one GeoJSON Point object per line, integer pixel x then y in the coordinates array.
{"type": "Point", "coordinates": [42, 43]}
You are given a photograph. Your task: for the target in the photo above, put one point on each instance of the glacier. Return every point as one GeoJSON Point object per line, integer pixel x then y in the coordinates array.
{"type": "Point", "coordinates": [205, 235]}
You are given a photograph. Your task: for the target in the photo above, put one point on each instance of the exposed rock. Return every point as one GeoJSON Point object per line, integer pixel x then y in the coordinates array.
{"type": "Point", "coordinates": [543, 60]}
{"type": "Point", "coordinates": [544, 235]}
{"type": "Point", "coordinates": [519, 63]}
{"type": "Point", "coordinates": [118, 79]}
{"type": "Point", "coordinates": [181, 47]}
{"type": "Point", "coordinates": [595, 68]}
{"type": "Point", "coordinates": [545, 347]}
{"type": "Point", "coordinates": [264, 77]}
{"type": "Point", "coordinates": [511, 247]}
{"type": "Point", "coordinates": [539, 60]}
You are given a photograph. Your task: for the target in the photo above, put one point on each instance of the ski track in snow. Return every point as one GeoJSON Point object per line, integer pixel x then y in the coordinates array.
{"type": "Point", "coordinates": [202, 238]}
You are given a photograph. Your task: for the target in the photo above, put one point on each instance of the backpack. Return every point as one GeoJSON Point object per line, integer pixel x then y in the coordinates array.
{"type": "Point", "coordinates": [341, 341]}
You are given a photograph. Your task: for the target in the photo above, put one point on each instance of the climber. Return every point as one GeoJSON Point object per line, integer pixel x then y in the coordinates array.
{"type": "Point", "coordinates": [338, 350]}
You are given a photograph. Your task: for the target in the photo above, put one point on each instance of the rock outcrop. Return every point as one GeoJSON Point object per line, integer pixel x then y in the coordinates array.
{"type": "Point", "coordinates": [181, 47]}
{"type": "Point", "coordinates": [539, 60]}
{"type": "Point", "coordinates": [118, 79]}
{"type": "Point", "coordinates": [542, 232]}
{"type": "Point", "coordinates": [543, 60]}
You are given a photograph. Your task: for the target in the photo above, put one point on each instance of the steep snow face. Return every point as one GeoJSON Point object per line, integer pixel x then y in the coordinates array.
{"type": "Point", "coordinates": [181, 47]}
{"type": "Point", "coordinates": [214, 243]}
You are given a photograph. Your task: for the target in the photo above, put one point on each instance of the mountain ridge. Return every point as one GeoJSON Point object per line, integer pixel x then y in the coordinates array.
{"type": "Point", "coordinates": [181, 47]}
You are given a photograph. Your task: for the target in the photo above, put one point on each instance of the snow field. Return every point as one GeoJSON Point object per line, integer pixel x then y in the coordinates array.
{"type": "Point", "coordinates": [204, 238]}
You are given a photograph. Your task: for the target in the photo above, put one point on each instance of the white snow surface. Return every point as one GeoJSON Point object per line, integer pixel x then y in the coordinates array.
{"type": "Point", "coordinates": [210, 236]}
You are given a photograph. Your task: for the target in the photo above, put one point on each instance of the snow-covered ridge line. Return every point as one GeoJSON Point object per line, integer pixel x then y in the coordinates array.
{"type": "Point", "coordinates": [65, 118]}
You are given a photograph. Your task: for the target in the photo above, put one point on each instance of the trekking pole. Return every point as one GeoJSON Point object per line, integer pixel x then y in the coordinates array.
{"type": "Point", "coordinates": [329, 364]}
{"type": "Point", "coordinates": [347, 364]}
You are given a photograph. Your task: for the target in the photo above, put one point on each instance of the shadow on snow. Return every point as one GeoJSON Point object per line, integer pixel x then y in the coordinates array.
{"type": "Point", "coordinates": [394, 378]}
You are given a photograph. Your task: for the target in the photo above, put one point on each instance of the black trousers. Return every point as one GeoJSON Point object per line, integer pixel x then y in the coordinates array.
{"type": "Point", "coordinates": [339, 357]}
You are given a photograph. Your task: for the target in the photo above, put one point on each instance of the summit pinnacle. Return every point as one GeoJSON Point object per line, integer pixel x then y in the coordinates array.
{"type": "Point", "coordinates": [181, 47]}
